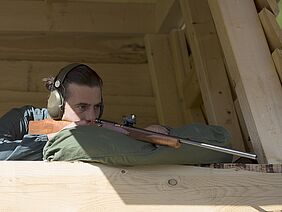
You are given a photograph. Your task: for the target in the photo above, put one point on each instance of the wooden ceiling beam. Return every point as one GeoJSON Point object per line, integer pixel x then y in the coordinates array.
{"type": "Point", "coordinates": [64, 16]}
{"type": "Point", "coordinates": [84, 47]}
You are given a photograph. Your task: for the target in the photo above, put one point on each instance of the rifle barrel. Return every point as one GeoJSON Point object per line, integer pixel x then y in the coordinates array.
{"type": "Point", "coordinates": [219, 149]}
{"type": "Point", "coordinates": [185, 141]}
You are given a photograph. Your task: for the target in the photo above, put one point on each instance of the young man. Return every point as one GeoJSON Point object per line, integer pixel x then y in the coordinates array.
{"type": "Point", "coordinates": [75, 96]}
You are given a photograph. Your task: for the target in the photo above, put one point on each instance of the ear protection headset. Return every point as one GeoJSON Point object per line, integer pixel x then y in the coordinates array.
{"type": "Point", "coordinates": [56, 102]}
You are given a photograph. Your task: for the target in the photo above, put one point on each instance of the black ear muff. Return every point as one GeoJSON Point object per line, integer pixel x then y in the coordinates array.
{"type": "Point", "coordinates": [55, 105]}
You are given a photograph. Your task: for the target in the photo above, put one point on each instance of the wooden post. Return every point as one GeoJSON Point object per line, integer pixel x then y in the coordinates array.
{"type": "Point", "coordinates": [209, 64]}
{"type": "Point", "coordinates": [253, 74]}
{"type": "Point", "coordinates": [271, 29]}
{"type": "Point", "coordinates": [168, 105]}
{"type": "Point", "coordinates": [271, 5]}
{"type": "Point", "coordinates": [277, 58]}
{"type": "Point", "coordinates": [188, 89]}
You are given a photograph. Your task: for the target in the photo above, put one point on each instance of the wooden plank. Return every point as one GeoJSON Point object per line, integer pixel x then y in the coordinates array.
{"type": "Point", "coordinates": [163, 79]}
{"type": "Point", "coordinates": [271, 5]}
{"type": "Point", "coordinates": [181, 65]}
{"type": "Point", "coordinates": [65, 186]}
{"type": "Point", "coordinates": [168, 16]}
{"type": "Point", "coordinates": [84, 47]}
{"type": "Point", "coordinates": [192, 91]}
{"type": "Point", "coordinates": [265, 168]}
{"type": "Point", "coordinates": [253, 74]}
{"type": "Point", "coordinates": [243, 127]}
{"type": "Point", "coordinates": [115, 106]}
{"type": "Point", "coordinates": [108, 1]}
{"type": "Point", "coordinates": [65, 16]}
{"type": "Point", "coordinates": [119, 79]}
{"type": "Point", "coordinates": [271, 28]}
{"type": "Point", "coordinates": [143, 108]}
{"type": "Point", "coordinates": [210, 69]}
{"type": "Point", "coordinates": [197, 115]}
{"type": "Point", "coordinates": [186, 79]}
{"type": "Point", "coordinates": [277, 58]}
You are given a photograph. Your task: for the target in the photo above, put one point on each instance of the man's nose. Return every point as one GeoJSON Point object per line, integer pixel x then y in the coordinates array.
{"type": "Point", "coordinates": [91, 115]}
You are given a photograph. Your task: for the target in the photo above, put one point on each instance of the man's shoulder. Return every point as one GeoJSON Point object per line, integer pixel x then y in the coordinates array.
{"type": "Point", "coordinates": [38, 113]}
{"type": "Point", "coordinates": [30, 112]}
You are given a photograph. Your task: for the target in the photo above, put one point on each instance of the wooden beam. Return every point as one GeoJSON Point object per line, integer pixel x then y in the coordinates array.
{"type": "Point", "coordinates": [108, 1]}
{"type": "Point", "coordinates": [271, 28]}
{"type": "Point", "coordinates": [197, 115]}
{"type": "Point", "coordinates": [163, 79]}
{"type": "Point", "coordinates": [119, 79]}
{"type": "Point", "coordinates": [77, 186]}
{"type": "Point", "coordinates": [277, 58]}
{"type": "Point", "coordinates": [243, 127]}
{"type": "Point", "coordinates": [84, 47]}
{"type": "Point", "coordinates": [186, 78]}
{"type": "Point", "coordinates": [115, 106]}
{"type": "Point", "coordinates": [181, 68]}
{"type": "Point", "coordinates": [271, 5]}
{"type": "Point", "coordinates": [253, 73]}
{"type": "Point", "coordinates": [210, 69]}
{"type": "Point", "coordinates": [168, 16]}
{"type": "Point", "coordinates": [65, 16]}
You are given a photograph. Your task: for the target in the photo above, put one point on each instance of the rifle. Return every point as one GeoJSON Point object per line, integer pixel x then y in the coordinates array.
{"type": "Point", "coordinates": [50, 126]}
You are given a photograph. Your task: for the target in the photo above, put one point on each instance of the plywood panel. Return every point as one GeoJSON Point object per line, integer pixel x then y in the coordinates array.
{"type": "Point", "coordinates": [63, 186]}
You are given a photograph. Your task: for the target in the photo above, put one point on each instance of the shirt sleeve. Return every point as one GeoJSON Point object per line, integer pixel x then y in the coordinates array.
{"type": "Point", "coordinates": [15, 143]}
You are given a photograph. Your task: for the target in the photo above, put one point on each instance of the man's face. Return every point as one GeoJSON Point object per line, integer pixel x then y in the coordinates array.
{"type": "Point", "coordinates": [83, 103]}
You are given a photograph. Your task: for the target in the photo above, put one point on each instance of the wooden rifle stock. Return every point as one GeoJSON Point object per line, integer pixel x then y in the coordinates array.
{"type": "Point", "coordinates": [48, 126]}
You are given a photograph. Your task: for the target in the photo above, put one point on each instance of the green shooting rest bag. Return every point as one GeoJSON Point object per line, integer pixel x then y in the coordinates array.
{"type": "Point", "coordinates": [96, 144]}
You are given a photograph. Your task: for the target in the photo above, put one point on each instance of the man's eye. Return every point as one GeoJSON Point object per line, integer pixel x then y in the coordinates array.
{"type": "Point", "coordinates": [97, 107]}
{"type": "Point", "coordinates": [81, 108]}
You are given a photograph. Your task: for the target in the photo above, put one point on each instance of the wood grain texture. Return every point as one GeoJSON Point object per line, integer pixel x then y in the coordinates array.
{"type": "Point", "coordinates": [168, 105]}
{"type": "Point", "coordinates": [253, 73]}
{"type": "Point", "coordinates": [65, 16]}
{"type": "Point", "coordinates": [271, 5]}
{"type": "Point", "coordinates": [63, 186]}
{"type": "Point", "coordinates": [119, 79]}
{"type": "Point", "coordinates": [83, 47]}
{"type": "Point", "coordinates": [209, 67]}
{"type": "Point", "coordinates": [168, 16]}
{"type": "Point", "coordinates": [271, 28]}
{"type": "Point", "coordinates": [277, 58]}
{"type": "Point", "coordinates": [115, 106]}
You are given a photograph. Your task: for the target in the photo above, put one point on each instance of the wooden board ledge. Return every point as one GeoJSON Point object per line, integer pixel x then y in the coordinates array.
{"type": "Point", "coordinates": [65, 186]}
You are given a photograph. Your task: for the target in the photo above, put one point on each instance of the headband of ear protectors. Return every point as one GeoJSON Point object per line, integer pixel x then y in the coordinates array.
{"type": "Point", "coordinates": [55, 105]}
